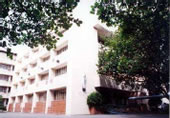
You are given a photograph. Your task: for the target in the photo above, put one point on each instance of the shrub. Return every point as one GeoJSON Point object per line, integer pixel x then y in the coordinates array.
{"type": "Point", "coordinates": [95, 99]}
{"type": "Point", "coordinates": [1, 103]}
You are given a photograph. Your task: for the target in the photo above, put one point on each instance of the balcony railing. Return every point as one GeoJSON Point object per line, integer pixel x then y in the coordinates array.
{"type": "Point", "coordinates": [4, 83]}
{"type": "Point", "coordinates": [6, 72]}
{"type": "Point", "coordinates": [4, 94]}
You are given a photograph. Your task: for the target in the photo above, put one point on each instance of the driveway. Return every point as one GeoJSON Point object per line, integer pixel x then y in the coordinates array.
{"type": "Point", "coordinates": [26, 115]}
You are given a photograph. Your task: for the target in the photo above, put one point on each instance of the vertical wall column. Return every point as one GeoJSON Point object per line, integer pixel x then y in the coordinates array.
{"type": "Point", "coordinates": [15, 104]}
{"type": "Point", "coordinates": [11, 68]}
{"type": "Point", "coordinates": [49, 94]}
{"type": "Point", "coordinates": [7, 89]}
{"type": "Point", "coordinates": [5, 102]}
{"type": "Point", "coordinates": [68, 99]}
{"type": "Point", "coordinates": [9, 101]}
{"type": "Point", "coordinates": [35, 100]}
{"type": "Point", "coordinates": [9, 79]}
{"type": "Point", "coordinates": [48, 100]}
{"type": "Point", "coordinates": [11, 105]}
{"type": "Point", "coordinates": [23, 103]}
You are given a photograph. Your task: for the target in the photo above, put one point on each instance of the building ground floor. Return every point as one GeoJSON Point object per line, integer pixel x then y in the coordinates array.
{"type": "Point", "coordinates": [50, 101]}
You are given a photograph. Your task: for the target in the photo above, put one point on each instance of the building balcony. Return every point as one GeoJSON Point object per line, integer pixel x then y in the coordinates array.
{"type": "Point", "coordinates": [57, 60]}
{"type": "Point", "coordinates": [30, 88]}
{"type": "Point", "coordinates": [20, 91]}
{"type": "Point", "coordinates": [32, 72]}
{"type": "Point", "coordinates": [35, 53]}
{"type": "Point", "coordinates": [6, 60]}
{"type": "Point", "coordinates": [41, 85]}
{"type": "Point", "coordinates": [5, 83]}
{"type": "Point", "coordinates": [13, 92]}
{"type": "Point", "coordinates": [15, 81]}
{"type": "Point", "coordinates": [18, 67]}
{"type": "Point", "coordinates": [58, 81]}
{"type": "Point", "coordinates": [22, 77]}
{"type": "Point", "coordinates": [43, 52]}
{"type": "Point", "coordinates": [4, 95]}
{"type": "Point", "coordinates": [6, 72]}
{"type": "Point", "coordinates": [44, 66]}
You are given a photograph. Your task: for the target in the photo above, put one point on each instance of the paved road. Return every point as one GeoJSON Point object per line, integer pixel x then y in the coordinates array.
{"type": "Point", "coordinates": [24, 115]}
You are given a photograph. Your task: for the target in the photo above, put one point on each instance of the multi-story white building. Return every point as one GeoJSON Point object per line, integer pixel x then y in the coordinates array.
{"type": "Point", "coordinates": [6, 75]}
{"type": "Point", "coordinates": [59, 81]}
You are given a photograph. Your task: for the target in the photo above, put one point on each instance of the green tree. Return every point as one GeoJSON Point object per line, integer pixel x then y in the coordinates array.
{"type": "Point", "coordinates": [1, 103]}
{"type": "Point", "coordinates": [140, 46]}
{"type": "Point", "coordinates": [32, 22]}
{"type": "Point", "coordinates": [95, 99]}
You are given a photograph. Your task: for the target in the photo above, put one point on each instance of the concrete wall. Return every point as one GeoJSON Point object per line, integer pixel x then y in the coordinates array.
{"type": "Point", "coordinates": [83, 46]}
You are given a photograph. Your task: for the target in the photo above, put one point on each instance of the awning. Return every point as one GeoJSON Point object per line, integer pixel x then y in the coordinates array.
{"type": "Point", "coordinates": [114, 92]}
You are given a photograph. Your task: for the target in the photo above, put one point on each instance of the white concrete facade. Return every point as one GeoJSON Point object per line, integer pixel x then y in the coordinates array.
{"type": "Point", "coordinates": [6, 75]}
{"type": "Point", "coordinates": [69, 68]}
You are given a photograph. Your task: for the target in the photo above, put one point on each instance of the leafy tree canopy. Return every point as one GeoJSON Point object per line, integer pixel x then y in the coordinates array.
{"type": "Point", "coordinates": [34, 22]}
{"type": "Point", "coordinates": [140, 47]}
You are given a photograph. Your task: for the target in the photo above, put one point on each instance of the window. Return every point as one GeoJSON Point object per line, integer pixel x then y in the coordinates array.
{"type": "Point", "coordinates": [4, 77]}
{"type": "Point", "coordinates": [10, 79]}
{"type": "Point", "coordinates": [13, 67]}
{"type": "Point", "coordinates": [30, 98]}
{"type": "Point", "coordinates": [19, 61]}
{"type": "Point", "coordinates": [31, 81]}
{"type": "Point", "coordinates": [9, 90]}
{"type": "Point", "coordinates": [3, 89]}
{"type": "Point", "coordinates": [61, 50]}
{"type": "Point", "coordinates": [17, 73]}
{"type": "Point", "coordinates": [25, 69]}
{"type": "Point", "coordinates": [13, 99]}
{"type": "Point", "coordinates": [35, 50]}
{"type": "Point", "coordinates": [60, 94]}
{"type": "Point", "coordinates": [60, 71]}
{"type": "Point", "coordinates": [42, 97]}
{"type": "Point", "coordinates": [44, 77]}
{"type": "Point", "coordinates": [45, 58]}
{"type": "Point", "coordinates": [22, 84]}
{"type": "Point", "coordinates": [26, 56]}
{"type": "Point", "coordinates": [33, 65]}
{"type": "Point", "coordinates": [20, 99]}
{"type": "Point", "coordinates": [5, 66]}
{"type": "Point", "coordinates": [16, 86]}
